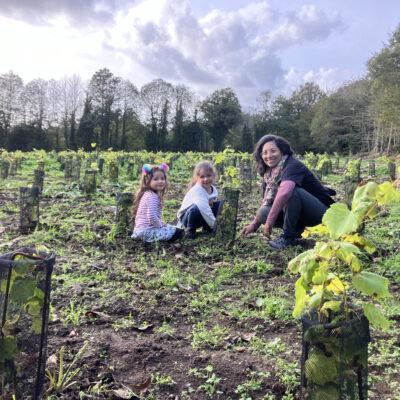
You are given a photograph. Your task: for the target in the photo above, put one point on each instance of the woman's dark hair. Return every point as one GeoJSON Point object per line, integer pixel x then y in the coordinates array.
{"type": "Point", "coordinates": [282, 144]}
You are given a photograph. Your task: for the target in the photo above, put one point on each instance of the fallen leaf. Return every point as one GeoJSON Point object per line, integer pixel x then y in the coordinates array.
{"type": "Point", "coordinates": [124, 394]}
{"type": "Point", "coordinates": [98, 314]}
{"type": "Point", "coordinates": [143, 327]}
{"type": "Point", "coordinates": [248, 336]}
{"type": "Point", "coordinates": [142, 387]}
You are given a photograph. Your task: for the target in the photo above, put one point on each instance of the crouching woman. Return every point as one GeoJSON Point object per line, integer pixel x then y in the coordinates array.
{"type": "Point", "coordinates": [293, 198]}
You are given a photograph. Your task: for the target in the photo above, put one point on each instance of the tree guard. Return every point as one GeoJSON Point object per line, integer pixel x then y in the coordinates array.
{"type": "Point", "coordinates": [392, 170]}
{"type": "Point", "coordinates": [334, 363]}
{"type": "Point", "coordinates": [25, 284]}
{"type": "Point", "coordinates": [38, 179]}
{"type": "Point", "coordinates": [4, 168]}
{"type": "Point", "coordinates": [371, 167]}
{"type": "Point", "coordinates": [227, 219]}
{"type": "Point", "coordinates": [67, 168]}
{"type": "Point", "coordinates": [123, 219]}
{"type": "Point", "coordinates": [113, 171]}
{"type": "Point", "coordinates": [76, 169]}
{"type": "Point", "coordinates": [100, 165]}
{"type": "Point", "coordinates": [89, 182]}
{"type": "Point", "coordinates": [350, 186]}
{"type": "Point", "coordinates": [246, 176]}
{"type": "Point", "coordinates": [29, 209]}
{"type": "Point", "coordinates": [337, 161]}
{"type": "Point", "coordinates": [13, 168]}
{"type": "Point", "coordinates": [40, 165]}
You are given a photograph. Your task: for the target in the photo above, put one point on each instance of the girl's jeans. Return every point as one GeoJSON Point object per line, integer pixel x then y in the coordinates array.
{"type": "Point", "coordinates": [301, 210]}
{"type": "Point", "coordinates": [192, 218]}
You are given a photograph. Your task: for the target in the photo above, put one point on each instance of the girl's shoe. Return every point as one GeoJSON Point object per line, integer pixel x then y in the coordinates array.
{"type": "Point", "coordinates": [190, 233]}
{"type": "Point", "coordinates": [178, 234]}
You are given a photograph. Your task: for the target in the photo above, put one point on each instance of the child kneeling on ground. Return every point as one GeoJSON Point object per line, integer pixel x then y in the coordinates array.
{"type": "Point", "coordinates": [147, 208]}
{"type": "Point", "coordinates": [200, 206]}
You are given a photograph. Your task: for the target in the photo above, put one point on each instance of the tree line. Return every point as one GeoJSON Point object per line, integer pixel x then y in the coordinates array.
{"type": "Point", "coordinates": [361, 115]}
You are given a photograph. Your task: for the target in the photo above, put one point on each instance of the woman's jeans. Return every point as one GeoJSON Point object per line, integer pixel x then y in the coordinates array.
{"type": "Point", "coordinates": [192, 218]}
{"type": "Point", "coordinates": [301, 210]}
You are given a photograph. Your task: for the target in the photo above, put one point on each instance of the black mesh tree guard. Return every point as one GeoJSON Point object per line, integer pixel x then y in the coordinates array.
{"type": "Point", "coordinates": [227, 218]}
{"type": "Point", "coordinates": [334, 363]}
{"type": "Point", "coordinates": [25, 284]}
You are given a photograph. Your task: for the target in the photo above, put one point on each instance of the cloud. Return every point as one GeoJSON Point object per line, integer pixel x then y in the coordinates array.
{"type": "Point", "coordinates": [40, 12]}
{"type": "Point", "coordinates": [238, 48]}
{"type": "Point", "coordinates": [327, 79]}
{"type": "Point", "coordinates": [307, 24]}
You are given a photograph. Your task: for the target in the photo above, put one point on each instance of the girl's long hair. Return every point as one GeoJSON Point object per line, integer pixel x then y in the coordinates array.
{"type": "Point", "coordinates": [202, 165]}
{"type": "Point", "coordinates": [282, 144]}
{"type": "Point", "coordinates": [145, 187]}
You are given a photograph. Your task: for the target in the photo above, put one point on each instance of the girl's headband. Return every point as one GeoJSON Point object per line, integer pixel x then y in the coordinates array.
{"type": "Point", "coordinates": [148, 169]}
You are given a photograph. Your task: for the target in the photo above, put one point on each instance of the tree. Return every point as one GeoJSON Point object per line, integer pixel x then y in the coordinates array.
{"type": "Point", "coordinates": [86, 128]}
{"type": "Point", "coordinates": [183, 100]}
{"type": "Point", "coordinates": [154, 98]}
{"type": "Point", "coordinates": [127, 103]}
{"type": "Point", "coordinates": [339, 121]}
{"type": "Point", "coordinates": [384, 72]}
{"type": "Point", "coordinates": [11, 86]}
{"type": "Point", "coordinates": [103, 90]}
{"type": "Point", "coordinates": [222, 111]}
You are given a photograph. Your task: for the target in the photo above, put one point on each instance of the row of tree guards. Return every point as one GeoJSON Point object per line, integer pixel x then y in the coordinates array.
{"type": "Point", "coordinates": [226, 222]}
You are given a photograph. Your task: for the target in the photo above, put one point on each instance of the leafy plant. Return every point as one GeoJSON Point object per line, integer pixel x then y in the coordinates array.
{"type": "Point", "coordinates": [333, 272]}
{"type": "Point", "coordinates": [335, 286]}
{"type": "Point", "coordinates": [61, 377]}
{"type": "Point", "coordinates": [211, 380]}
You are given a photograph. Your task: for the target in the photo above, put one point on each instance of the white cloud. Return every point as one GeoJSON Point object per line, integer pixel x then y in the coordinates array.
{"type": "Point", "coordinates": [327, 79]}
{"type": "Point", "coordinates": [40, 12]}
{"type": "Point", "coordinates": [146, 39]}
{"type": "Point", "coordinates": [237, 48]}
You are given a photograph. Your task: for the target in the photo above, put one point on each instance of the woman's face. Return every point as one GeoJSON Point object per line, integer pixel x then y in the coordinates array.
{"type": "Point", "coordinates": [271, 154]}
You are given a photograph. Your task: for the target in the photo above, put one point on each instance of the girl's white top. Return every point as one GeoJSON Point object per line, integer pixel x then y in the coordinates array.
{"type": "Point", "coordinates": [199, 196]}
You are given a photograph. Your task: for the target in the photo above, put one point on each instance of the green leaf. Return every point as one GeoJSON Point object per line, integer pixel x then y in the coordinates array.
{"type": "Point", "coordinates": [319, 368]}
{"type": "Point", "coordinates": [371, 284]}
{"type": "Point", "coordinates": [375, 316]}
{"type": "Point", "coordinates": [333, 305]}
{"type": "Point", "coordinates": [363, 199]}
{"type": "Point", "coordinates": [8, 348]}
{"type": "Point", "coordinates": [22, 289]}
{"type": "Point", "coordinates": [301, 297]}
{"type": "Point", "coordinates": [340, 220]}
{"type": "Point", "coordinates": [387, 194]}
{"type": "Point", "coordinates": [295, 264]}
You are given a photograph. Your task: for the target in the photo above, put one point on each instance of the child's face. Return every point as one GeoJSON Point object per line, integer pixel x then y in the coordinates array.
{"type": "Point", "coordinates": [158, 181]}
{"type": "Point", "coordinates": [205, 178]}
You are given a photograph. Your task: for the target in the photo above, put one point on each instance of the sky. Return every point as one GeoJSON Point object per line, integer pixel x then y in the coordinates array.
{"type": "Point", "coordinates": [248, 45]}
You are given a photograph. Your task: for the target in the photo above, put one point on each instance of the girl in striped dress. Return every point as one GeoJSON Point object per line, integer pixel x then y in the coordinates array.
{"type": "Point", "coordinates": [147, 208]}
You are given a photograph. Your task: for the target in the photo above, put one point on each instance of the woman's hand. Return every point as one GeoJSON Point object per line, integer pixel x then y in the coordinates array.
{"type": "Point", "coordinates": [247, 230]}
{"type": "Point", "coordinates": [267, 230]}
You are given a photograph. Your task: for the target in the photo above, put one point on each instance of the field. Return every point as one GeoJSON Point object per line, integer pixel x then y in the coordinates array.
{"type": "Point", "coordinates": [196, 319]}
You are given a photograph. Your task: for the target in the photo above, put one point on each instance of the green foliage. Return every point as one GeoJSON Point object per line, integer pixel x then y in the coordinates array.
{"type": "Point", "coordinates": [25, 304]}
{"type": "Point", "coordinates": [334, 266]}
{"type": "Point", "coordinates": [60, 376]}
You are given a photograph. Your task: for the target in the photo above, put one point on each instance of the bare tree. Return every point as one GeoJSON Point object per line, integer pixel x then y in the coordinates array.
{"type": "Point", "coordinates": [11, 86]}
{"type": "Point", "coordinates": [155, 98]}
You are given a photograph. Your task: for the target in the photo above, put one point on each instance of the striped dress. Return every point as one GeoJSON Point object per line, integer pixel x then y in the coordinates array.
{"type": "Point", "coordinates": [149, 225]}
